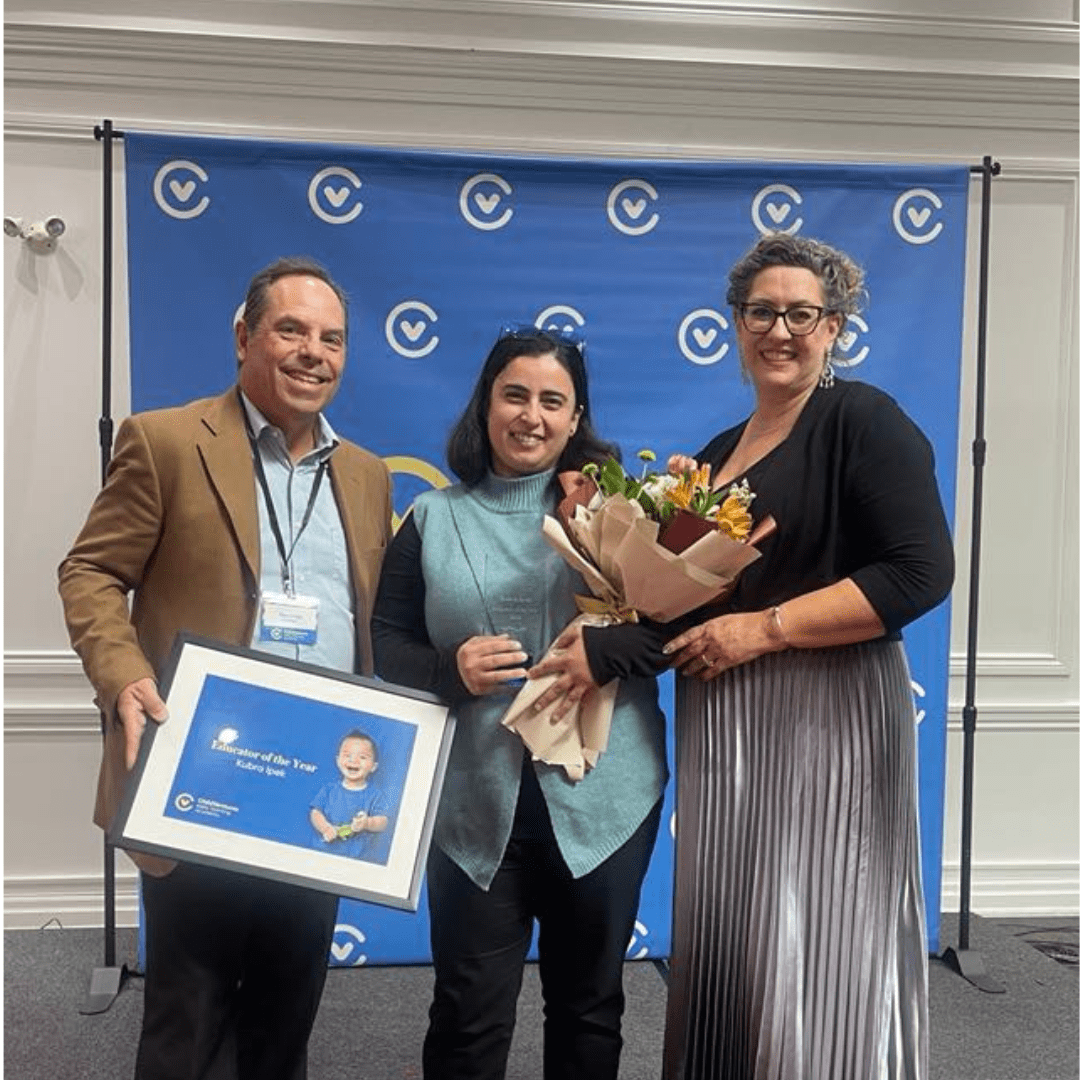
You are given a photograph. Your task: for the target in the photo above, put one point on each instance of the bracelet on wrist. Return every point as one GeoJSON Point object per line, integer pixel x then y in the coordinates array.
{"type": "Point", "coordinates": [780, 626]}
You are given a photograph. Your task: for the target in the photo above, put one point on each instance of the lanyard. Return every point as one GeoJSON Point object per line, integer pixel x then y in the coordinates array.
{"type": "Point", "coordinates": [271, 513]}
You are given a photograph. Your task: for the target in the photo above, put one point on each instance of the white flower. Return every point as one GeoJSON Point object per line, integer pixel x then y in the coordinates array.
{"type": "Point", "coordinates": [656, 487]}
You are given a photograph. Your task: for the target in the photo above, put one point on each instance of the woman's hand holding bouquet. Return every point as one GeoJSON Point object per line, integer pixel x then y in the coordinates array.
{"type": "Point", "coordinates": [657, 546]}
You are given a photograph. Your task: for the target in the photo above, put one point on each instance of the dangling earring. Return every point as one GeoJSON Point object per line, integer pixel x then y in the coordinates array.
{"type": "Point", "coordinates": [828, 375]}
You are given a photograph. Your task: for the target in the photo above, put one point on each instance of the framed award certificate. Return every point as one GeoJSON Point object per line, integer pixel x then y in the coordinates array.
{"type": "Point", "coordinates": [289, 771]}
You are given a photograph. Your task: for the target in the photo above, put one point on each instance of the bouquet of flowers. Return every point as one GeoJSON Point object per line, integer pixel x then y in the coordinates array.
{"type": "Point", "coordinates": [658, 546]}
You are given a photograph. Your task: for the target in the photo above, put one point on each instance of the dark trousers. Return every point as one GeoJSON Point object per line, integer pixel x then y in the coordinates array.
{"type": "Point", "coordinates": [235, 967]}
{"type": "Point", "coordinates": [479, 941]}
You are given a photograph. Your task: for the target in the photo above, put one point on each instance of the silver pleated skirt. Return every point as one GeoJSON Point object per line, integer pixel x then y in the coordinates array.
{"type": "Point", "coordinates": [799, 941]}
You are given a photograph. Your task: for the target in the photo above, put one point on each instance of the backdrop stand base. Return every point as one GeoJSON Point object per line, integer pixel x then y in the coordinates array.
{"type": "Point", "coordinates": [971, 966]}
{"type": "Point", "coordinates": [105, 984]}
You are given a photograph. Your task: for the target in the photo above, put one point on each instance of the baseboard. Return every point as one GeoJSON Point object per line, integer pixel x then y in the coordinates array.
{"type": "Point", "coordinates": [1006, 890]}
{"type": "Point", "coordinates": [73, 901]}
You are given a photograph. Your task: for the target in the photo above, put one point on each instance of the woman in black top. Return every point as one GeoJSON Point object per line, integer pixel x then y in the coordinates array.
{"type": "Point", "coordinates": [799, 946]}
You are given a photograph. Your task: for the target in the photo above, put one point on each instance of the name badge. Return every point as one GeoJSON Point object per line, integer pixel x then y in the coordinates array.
{"type": "Point", "coordinates": [292, 620]}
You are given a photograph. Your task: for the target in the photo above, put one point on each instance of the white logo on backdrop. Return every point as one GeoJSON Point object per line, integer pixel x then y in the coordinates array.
{"type": "Point", "coordinates": [485, 192]}
{"type": "Point", "coordinates": [182, 191]}
{"type": "Point", "coordinates": [910, 209]}
{"type": "Point", "coordinates": [701, 336]}
{"type": "Point", "coordinates": [636, 950]}
{"type": "Point", "coordinates": [184, 802]}
{"type": "Point", "coordinates": [336, 204]}
{"type": "Point", "coordinates": [780, 202]}
{"type": "Point", "coordinates": [416, 338]}
{"type": "Point", "coordinates": [847, 340]}
{"type": "Point", "coordinates": [621, 204]}
{"type": "Point", "coordinates": [345, 942]}
{"type": "Point", "coordinates": [562, 318]}
{"type": "Point", "coordinates": [919, 692]}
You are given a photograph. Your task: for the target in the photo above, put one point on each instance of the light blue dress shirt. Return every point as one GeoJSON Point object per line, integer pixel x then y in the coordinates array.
{"type": "Point", "coordinates": [319, 562]}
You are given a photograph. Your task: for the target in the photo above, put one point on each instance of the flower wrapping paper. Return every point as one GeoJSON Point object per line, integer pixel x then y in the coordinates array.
{"type": "Point", "coordinates": [613, 545]}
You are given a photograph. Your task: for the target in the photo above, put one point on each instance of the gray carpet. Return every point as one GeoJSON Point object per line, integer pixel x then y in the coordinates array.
{"type": "Point", "coordinates": [372, 1019]}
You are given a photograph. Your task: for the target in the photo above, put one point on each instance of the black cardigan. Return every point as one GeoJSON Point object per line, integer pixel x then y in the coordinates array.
{"type": "Point", "coordinates": [853, 492]}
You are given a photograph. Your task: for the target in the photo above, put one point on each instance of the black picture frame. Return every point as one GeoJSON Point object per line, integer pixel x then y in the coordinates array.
{"type": "Point", "coordinates": [252, 740]}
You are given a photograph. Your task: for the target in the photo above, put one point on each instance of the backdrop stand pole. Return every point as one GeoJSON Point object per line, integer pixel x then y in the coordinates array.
{"type": "Point", "coordinates": [970, 965]}
{"type": "Point", "coordinates": [106, 981]}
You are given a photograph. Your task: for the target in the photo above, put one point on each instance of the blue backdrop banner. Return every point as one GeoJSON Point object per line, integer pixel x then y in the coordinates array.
{"type": "Point", "coordinates": [439, 250]}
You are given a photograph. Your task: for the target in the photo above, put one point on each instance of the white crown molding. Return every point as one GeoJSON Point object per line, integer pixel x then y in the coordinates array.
{"type": "Point", "coordinates": [1010, 67]}
{"type": "Point", "coordinates": [787, 35]}
{"type": "Point", "coordinates": [523, 101]}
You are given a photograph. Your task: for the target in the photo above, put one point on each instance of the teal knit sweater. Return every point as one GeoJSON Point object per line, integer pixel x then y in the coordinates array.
{"type": "Point", "coordinates": [487, 569]}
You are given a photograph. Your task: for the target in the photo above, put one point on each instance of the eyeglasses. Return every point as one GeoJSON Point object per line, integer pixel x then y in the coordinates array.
{"type": "Point", "coordinates": [802, 319]}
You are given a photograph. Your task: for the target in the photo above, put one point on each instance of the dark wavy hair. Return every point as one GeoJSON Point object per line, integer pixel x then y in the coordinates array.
{"type": "Point", "coordinates": [468, 450]}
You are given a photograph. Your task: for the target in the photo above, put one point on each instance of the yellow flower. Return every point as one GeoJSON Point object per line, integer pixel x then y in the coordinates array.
{"type": "Point", "coordinates": [689, 484]}
{"type": "Point", "coordinates": [680, 495]}
{"type": "Point", "coordinates": [733, 518]}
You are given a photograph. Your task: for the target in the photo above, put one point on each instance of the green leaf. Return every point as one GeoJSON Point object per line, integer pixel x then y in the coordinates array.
{"type": "Point", "coordinates": [612, 477]}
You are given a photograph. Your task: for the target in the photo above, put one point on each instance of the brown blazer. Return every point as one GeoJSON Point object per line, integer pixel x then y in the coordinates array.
{"type": "Point", "coordinates": [177, 525]}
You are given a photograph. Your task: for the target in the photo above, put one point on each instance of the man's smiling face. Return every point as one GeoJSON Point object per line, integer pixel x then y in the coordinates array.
{"type": "Point", "coordinates": [291, 362]}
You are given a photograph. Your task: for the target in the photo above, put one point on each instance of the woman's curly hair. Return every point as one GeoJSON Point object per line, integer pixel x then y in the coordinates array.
{"type": "Point", "coordinates": [842, 279]}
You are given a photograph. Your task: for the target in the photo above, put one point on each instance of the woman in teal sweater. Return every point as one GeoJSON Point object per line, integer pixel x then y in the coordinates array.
{"type": "Point", "coordinates": [470, 593]}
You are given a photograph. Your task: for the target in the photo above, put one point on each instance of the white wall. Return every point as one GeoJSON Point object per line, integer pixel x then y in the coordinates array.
{"type": "Point", "coordinates": [903, 80]}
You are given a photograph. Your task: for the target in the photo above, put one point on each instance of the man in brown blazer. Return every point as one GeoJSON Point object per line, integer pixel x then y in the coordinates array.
{"type": "Point", "coordinates": [208, 510]}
